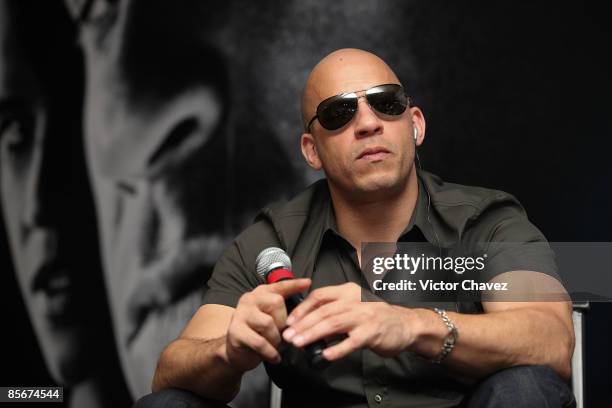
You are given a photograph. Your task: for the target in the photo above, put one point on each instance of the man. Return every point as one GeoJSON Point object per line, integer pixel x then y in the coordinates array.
{"type": "Point", "coordinates": [361, 131]}
{"type": "Point", "coordinates": [46, 203]}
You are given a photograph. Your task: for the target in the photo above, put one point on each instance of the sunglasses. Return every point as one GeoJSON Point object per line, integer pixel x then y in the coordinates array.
{"type": "Point", "coordinates": [337, 111]}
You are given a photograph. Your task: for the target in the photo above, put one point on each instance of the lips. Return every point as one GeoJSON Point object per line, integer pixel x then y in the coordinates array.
{"type": "Point", "coordinates": [171, 278]}
{"type": "Point", "coordinates": [376, 152]}
{"type": "Point", "coordinates": [51, 278]}
{"type": "Point", "coordinates": [52, 286]}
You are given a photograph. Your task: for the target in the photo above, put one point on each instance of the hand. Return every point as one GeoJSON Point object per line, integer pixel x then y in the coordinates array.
{"type": "Point", "coordinates": [385, 329]}
{"type": "Point", "coordinates": [254, 331]}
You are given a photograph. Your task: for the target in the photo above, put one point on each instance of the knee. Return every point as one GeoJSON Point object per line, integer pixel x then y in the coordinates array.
{"type": "Point", "coordinates": [175, 398]}
{"type": "Point", "coordinates": [523, 386]}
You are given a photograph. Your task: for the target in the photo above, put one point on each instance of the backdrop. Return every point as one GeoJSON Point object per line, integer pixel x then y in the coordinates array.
{"type": "Point", "coordinates": [138, 137]}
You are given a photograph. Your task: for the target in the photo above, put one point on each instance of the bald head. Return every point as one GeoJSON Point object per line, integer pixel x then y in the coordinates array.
{"type": "Point", "coordinates": [344, 70]}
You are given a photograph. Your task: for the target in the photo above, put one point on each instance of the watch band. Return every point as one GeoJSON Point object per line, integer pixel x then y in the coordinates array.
{"type": "Point", "coordinates": [449, 340]}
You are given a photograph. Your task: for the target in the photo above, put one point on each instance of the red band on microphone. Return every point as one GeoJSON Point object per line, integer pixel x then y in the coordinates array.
{"type": "Point", "coordinates": [279, 275]}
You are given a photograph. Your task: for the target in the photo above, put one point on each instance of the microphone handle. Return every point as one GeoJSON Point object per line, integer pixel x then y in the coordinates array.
{"type": "Point", "coordinates": [314, 351]}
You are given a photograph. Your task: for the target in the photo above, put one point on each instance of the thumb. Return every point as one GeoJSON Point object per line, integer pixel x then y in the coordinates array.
{"type": "Point", "coordinates": [290, 286]}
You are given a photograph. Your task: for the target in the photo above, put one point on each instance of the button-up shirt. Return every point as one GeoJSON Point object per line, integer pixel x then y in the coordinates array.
{"type": "Point", "coordinates": [445, 215]}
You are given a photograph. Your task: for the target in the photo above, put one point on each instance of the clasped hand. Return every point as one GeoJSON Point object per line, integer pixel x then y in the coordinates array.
{"type": "Point", "coordinates": [260, 319]}
{"type": "Point", "coordinates": [339, 310]}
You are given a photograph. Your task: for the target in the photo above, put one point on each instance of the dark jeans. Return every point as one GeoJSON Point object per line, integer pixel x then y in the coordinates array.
{"type": "Point", "coordinates": [516, 387]}
{"type": "Point", "coordinates": [524, 386]}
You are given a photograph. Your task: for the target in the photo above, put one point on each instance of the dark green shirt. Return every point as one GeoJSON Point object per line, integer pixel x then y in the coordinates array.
{"type": "Point", "coordinates": [445, 215]}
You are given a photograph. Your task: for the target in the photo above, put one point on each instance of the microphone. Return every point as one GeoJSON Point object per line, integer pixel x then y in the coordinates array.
{"type": "Point", "coordinates": [273, 265]}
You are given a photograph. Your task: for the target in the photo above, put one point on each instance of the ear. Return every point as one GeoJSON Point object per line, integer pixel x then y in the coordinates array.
{"type": "Point", "coordinates": [309, 151]}
{"type": "Point", "coordinates": [418, 121]}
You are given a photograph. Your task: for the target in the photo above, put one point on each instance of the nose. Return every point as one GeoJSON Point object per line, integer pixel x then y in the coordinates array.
{"type": "Point", "coordinates": [32, 213]}
{"type": "Point", "coordinates": [367, 123]}
{"type": "Point", "coordinates": [37, 211]}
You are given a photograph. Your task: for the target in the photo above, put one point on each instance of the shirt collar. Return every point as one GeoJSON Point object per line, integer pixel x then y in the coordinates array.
{"type": "Point", "coordinates": [422, 218]}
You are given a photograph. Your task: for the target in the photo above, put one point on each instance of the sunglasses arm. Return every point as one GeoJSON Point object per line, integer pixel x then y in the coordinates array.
{"type": "Point", "coordinates": [310, 123]}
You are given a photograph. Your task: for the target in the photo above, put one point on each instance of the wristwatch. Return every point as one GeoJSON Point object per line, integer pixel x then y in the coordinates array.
{"type": "Point", "coordinates": [449, 340]}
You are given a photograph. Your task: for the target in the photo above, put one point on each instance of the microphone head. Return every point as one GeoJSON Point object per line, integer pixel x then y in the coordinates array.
{"type": "Point", "coordinates": [270, 259]}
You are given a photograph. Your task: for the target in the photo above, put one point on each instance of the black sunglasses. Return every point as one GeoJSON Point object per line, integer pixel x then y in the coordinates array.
{"type": "Point", "coordinates": [337, 111]}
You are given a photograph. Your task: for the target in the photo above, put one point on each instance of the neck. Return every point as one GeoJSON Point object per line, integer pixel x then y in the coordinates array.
{"type": "Point", "coordinates": [381, 219]}
{"type": "Point", "coordinates": [103, 388]}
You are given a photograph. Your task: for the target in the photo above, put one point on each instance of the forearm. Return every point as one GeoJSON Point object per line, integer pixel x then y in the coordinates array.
{"type": "Point", "coordinates": [200, 366]}
{"type": "Point", "coordinates": [492, 341]}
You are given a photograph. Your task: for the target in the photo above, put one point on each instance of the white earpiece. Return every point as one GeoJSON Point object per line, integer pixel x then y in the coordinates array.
{"type": "Point", "coordinates": [416, 133]}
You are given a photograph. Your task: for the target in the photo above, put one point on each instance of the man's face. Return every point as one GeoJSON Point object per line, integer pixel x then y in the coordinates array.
{"type": "Point", "coordinates": [157, 156]}
{"type": "Point", "coordinates": [44, 197]}
{"type": "Point", "coordinates": [373, 152]}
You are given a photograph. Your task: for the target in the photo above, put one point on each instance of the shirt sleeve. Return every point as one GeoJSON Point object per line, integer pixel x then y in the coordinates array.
{"type": "Point", "coordinates": [510, 242]}
{"type": "Point", "coordinates": [234, 273]}
{"type": "Point", "coordinates": [229, 279]}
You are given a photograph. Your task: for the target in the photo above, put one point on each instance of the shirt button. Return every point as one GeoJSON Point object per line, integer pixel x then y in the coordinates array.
{"type": "Point", "coordinates": [378, 398]}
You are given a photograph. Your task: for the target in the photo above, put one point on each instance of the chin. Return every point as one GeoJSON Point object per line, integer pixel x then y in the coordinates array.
{"type": "Point", "coordinates": [64, 356]}
{"type": "Point", "coordinates": [378, 183]}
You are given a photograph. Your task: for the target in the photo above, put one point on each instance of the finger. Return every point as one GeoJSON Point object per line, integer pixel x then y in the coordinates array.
{"type": "Point", "coordinates": [272, 304]}
{"type": "Point", "coordinates": [345, 347]}
{"type": "Point", "coordinates": [264, 324]}
{"type": "Point", "coordinates": [316, 316]}
{"type": "Point", "coordinates": [335, 324]}
{"type": "Point", "coordinates": [289, 287]}
{"type": "Point", "coordinates": [259, 345]}
{"type": "Point", "coordinates": [314, 300]}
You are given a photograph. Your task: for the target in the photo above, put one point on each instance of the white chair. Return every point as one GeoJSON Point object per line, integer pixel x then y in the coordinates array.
{"type": "Point", "coordinates": [276, 395]}
{"type": "Point", "coordinates": [580, 309]}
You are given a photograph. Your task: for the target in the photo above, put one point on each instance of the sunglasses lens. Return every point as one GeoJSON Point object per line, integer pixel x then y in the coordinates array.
{"type": "Point", "coordinates": [388, 99]}
{"type": "Point", "coordinates": [337, 112]}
